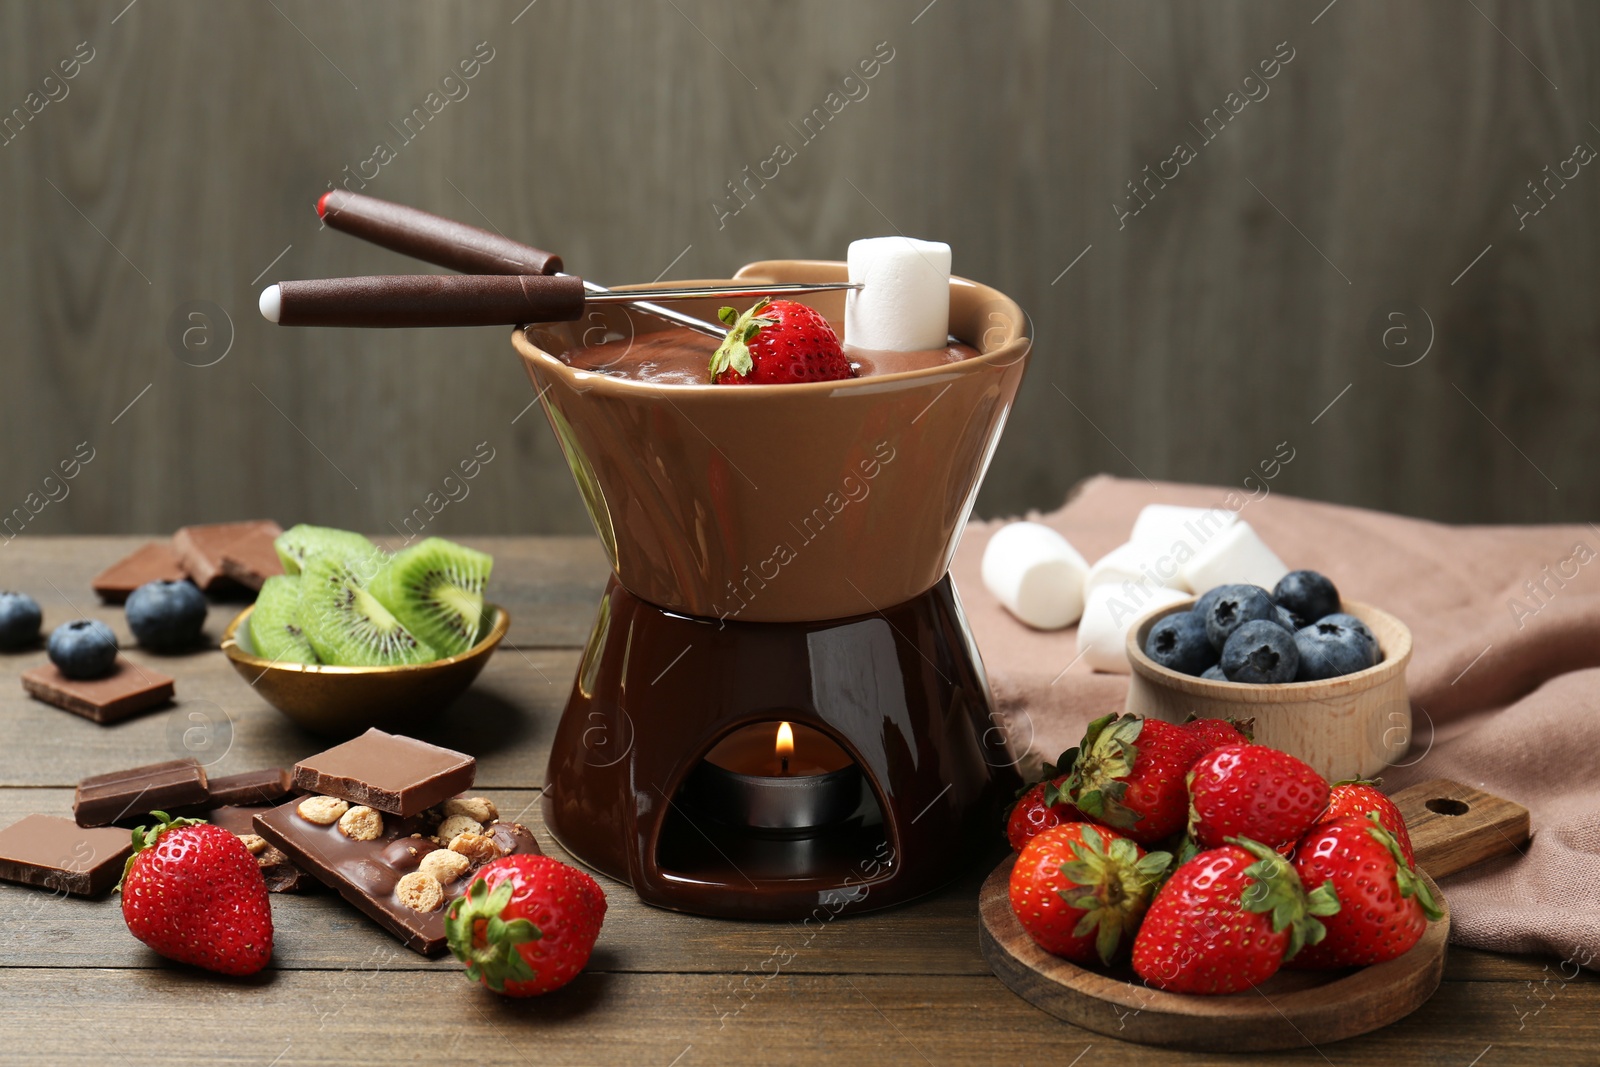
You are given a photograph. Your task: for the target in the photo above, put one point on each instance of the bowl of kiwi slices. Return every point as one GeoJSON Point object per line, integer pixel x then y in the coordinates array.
{"type": "Point", "coordinates": [351, 636]}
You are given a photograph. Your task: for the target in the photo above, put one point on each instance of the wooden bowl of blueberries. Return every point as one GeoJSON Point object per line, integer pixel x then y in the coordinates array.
{"type": "Point", "coordinates": [1323, 678]}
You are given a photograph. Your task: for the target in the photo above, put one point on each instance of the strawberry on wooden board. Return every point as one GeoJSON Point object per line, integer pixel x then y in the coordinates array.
{"type": "Point", "coordinates": [1129, 775]}
{"type": "Point", "coordinates": [1361, 798]}
{"type": "Point", "coordinates": [526, 925]}
{"type": "Point", "coordinates": [1253, 791]}
{"type": "Point", "coordinates": [1214, 733]}
{"type": "Point", "coordinates": [1385, 904]}
{"type": "Point", "coordinates": [778, 342]}
{"type": "Point", "coordinates": [193, 893]}
{"type": "Point", "coordinates": [1040, 807]}
{"type": "Point", "coordinates": [1227, 920]}
{"type": "Point", "coordinates": [1079, 890]}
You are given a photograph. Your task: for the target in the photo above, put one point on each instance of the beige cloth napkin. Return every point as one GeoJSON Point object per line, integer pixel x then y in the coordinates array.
{"type": "Point", "coordinates": [1504, 680]}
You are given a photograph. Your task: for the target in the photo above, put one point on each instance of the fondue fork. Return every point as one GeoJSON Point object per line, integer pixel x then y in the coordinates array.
{"type": "Point", "coordinates": [413, 300]}
{"type": "Point", "coordinates": [470, 250]}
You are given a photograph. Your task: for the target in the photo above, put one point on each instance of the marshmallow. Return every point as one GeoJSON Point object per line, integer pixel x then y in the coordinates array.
{"type": "Point", "coordinates": [1036, 574]}
{"type": "Point", "coordinates": [1236, 554]}
{"type": "Point", "coordinates": [1108, 615]}
{"type": "Point", "coordinates": [905, 305]}
{"type": "Point", "coordinates": [1164, 526]}
{"type": "Point", "coordinates": [1140, 564]}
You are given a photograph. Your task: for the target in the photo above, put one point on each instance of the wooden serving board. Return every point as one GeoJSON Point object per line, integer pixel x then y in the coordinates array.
{"type": "Point", "coordinates": [1452, 826]}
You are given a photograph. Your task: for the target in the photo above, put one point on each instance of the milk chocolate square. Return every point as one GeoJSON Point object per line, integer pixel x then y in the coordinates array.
{"type": "Point", "coordinates": [58, 854]}
{"type": "Point", "coordinates": [398, 775]}
{"type": "Point", "coordinates": [155, 562]}
{"type": "Point", "coordinates": [122, 694]}
{"type": "Point", "coordinates": [250, 788]}
{"type": "Point", "coordinates": [240, 551]}
{"type": "Point", "coordinates": [130, 796]}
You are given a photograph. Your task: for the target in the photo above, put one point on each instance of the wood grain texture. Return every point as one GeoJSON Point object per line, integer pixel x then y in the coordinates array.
{"type": "Point", "coordinates": [1453, 826]}
{"type": "Point", "coordinates": [902, 986]}
{"type": "Point", "coordinates": [1185, 343]}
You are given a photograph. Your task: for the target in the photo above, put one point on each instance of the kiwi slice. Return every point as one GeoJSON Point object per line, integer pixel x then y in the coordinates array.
{"type": "Point", "coordinates": [298, 543]}
{"type": "Point", "coordinates": [275, 623]}
{"type": "Point", "coordinates": [346, 624]}
{"type": "Point", "coordinates": [435, 589]}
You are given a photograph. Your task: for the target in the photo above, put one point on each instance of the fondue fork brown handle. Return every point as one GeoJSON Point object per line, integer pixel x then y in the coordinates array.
{"type": "Point", "coordinates": [432, 238]}
{"type": "Point", "coordinates": [1453, 826]}
{"type": "Point", "coordinates": [410, 300]}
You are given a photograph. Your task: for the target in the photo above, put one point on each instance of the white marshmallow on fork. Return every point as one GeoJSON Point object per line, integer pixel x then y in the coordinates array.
{"type": "Point", "coordinates": [1138, 563]}
{"type": "Point", "coordinates": [1036, 574]}
{"type": "Point", "coordinates": [905, 303]}
{"type": "Point", "coordinates": [1236, 555]}
{"type": "Point", "coordinates": [1109, 613]}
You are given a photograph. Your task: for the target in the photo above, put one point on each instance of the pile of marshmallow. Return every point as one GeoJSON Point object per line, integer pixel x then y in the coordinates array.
{"type": "Point", "coordinates": [1172, 553]}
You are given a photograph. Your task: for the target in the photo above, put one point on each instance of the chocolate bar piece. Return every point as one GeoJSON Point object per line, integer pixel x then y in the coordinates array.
{"type": "Point", "coordinates": [389, 876]}
{"type": "Point", "coordinates": [394, 774]}
{"type": "Point", "coordinates": [122, 694]}
{"type": "Point", "coordinates": [129, 796]}
{"type": "Point", "coordinates": [60, 855]}
{"type": "Point", "coordinates": [155, 562]}
{"type": "Point", "coordinates": [281, 875]}
{"type": "Point", "coordinates": [240, 551]}
{"type": "Point", "coordinates": [250, 789]}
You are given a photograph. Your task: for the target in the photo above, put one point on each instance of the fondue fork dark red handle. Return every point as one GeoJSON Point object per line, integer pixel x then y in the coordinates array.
{"type": "Point", "coordinates": [435, 239]}
{"type": "Point", "coordinates": [404, 300]}
{"type": "Point", "coordinates": [432, 238]}
{"type": "Point", "coordinates": [478, 299]}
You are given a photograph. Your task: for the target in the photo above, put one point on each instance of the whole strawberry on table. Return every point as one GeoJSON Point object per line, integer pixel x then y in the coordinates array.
{"type": "Point", "coordinates": [526, 925]}
{"type": "Point", "coordinates": [193, 893]}
{"type": "Point", "coordinates": [1273, 866]}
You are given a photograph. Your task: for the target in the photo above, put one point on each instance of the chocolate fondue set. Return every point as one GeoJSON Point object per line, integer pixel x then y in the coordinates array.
{"type": "Point", "coordinates": [780, 705]}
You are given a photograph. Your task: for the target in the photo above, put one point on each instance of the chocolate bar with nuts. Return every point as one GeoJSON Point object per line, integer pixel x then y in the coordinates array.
{"type": "Point", "coordinates": [401, 871]}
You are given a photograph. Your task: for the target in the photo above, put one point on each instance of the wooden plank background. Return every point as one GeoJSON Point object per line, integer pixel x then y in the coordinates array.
{"type": "Point", "coordinates": [1378, 174]}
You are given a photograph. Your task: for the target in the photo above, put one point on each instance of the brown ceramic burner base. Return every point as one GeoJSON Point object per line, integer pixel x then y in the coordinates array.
{"type": "Point", "coordinates": [901, 690]}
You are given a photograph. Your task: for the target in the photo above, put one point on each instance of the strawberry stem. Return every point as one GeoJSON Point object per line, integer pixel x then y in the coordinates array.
{"type": "Point", "coordinates": [734, 352]}
{"type": "Point", "coordinates": [491, 955]}
{"type": "Point", "coordinates": [145, 837]}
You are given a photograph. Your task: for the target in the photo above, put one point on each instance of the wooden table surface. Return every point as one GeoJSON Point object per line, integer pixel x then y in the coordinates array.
{"type": "Point", "coordinates": [902, 986]}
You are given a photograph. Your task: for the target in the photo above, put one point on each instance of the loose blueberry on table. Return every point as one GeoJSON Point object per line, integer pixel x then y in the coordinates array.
{"type": "Point", "coordinates": [166, 616]}
{"type": "Point", "coordinates": [20, 619]}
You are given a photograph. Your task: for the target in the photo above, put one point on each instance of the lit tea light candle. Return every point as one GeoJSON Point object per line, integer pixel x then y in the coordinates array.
{"type": "Point", "coordinates": [788, 777]}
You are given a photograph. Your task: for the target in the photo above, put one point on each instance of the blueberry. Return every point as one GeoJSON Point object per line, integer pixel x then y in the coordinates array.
{"type": "Point", "coordinates": [1286, 618]}
{"type": "Point", "coordinates": [1359, 628]}
{"type": "Point", "coordinates": [1214, 673]}
{"type": "Point", "coordinates": [83, 649]}
{"type": "Point", "coordinates": [166, 616]}
{"type": "Point", "coordinates": [1178, 642]}
{"type": "Point", "coordinates": [19, 620]}
{"type": "Point", "coordinates": [1202, 607]}
{"type": "Point", "coordinates": [1261, 652]}
{"type": "Point", "coordinates": [1234, 606]}
{"type": "Point", "coordinates": [1329, 648]}
{"type": "Point", "coordinates": [1307, 594]}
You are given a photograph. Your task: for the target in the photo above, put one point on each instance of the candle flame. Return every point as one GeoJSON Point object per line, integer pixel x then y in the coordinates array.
{"type": "Point", "coordinates": [785, 745]}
